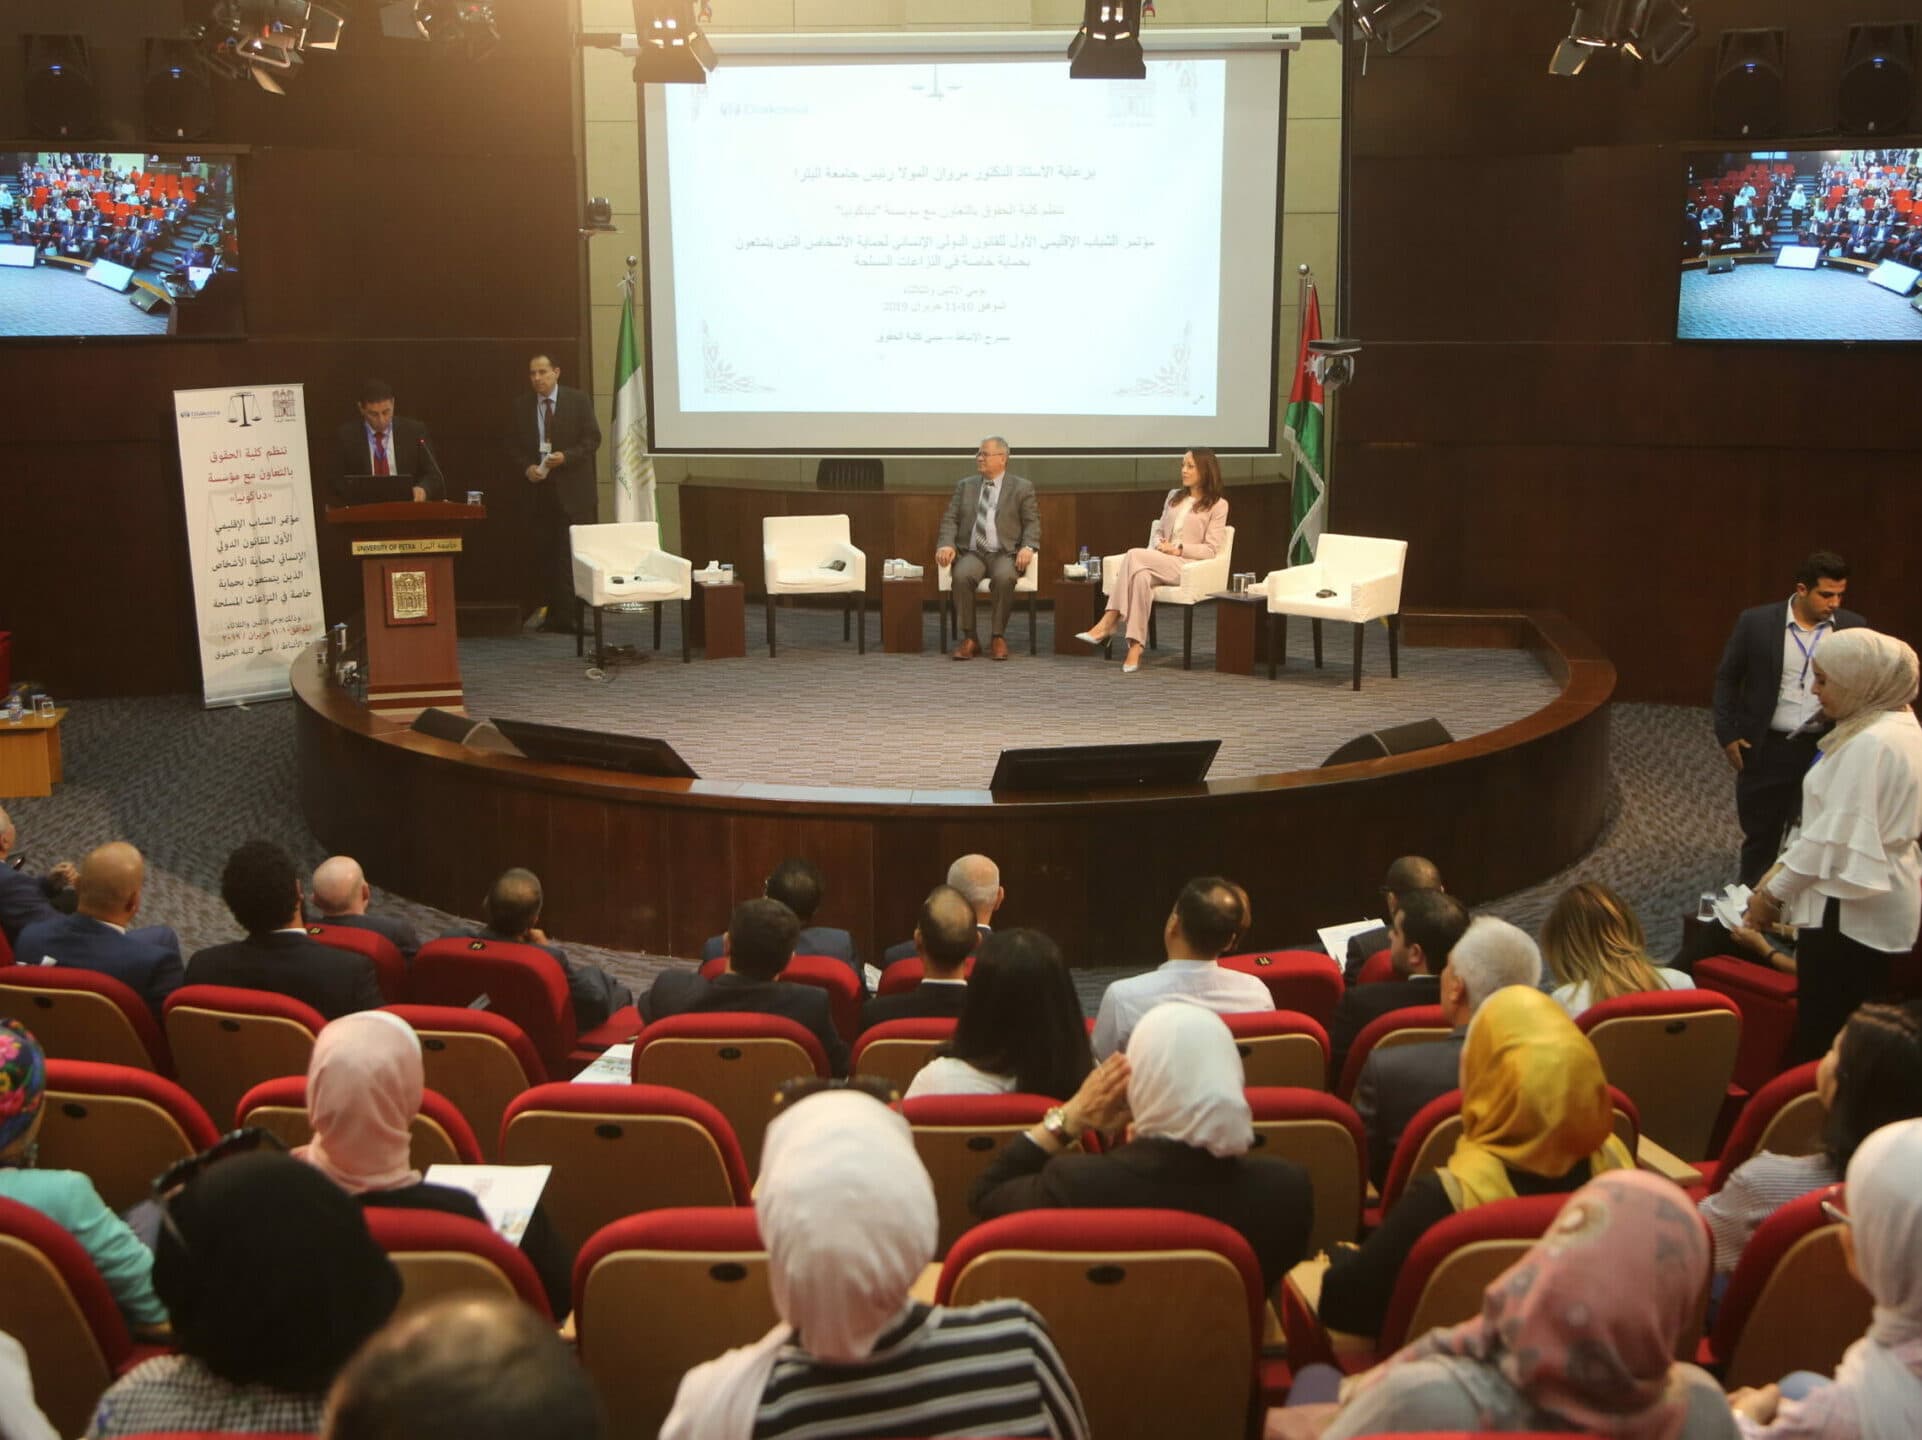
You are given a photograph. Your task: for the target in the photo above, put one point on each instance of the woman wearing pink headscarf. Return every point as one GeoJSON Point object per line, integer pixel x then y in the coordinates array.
{"type": "Point", "coordinates": [1580, 1334]}
{"type": "Point", "coordinates": [364, 1087]}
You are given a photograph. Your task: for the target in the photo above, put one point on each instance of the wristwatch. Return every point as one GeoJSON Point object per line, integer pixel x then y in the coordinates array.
{"type": "Point", "coordinates": [1055, 1122]}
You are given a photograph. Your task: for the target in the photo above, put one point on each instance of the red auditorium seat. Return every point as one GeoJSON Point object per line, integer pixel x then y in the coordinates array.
{"type": "Point", "coordinates": [908, 973]}
{"type": "Point", "coordinates": [119, 1126]}
{"type": "Point", "coordinates": [228, 1040]}
{"type": "Point", "coordinates": [1785, 1116]}
{"type": "Point", "coordinates": [895, 1050]}
{"type": "Point", "coordinates": [478, 1060]}
{"type": "Point", "coordinates": [837, 977]}
{"type": "Point", "coordinates": [1377, 968]}
{"type": "Point", "coordinates": [958, 1136]}
{"type": "Point", "coordinates": [83, 1015]}
{"type": "Point", "coordinates": [1674, 1052]}
{"type": "Point", "coordinates": [390, 966]}
{"type": "Point", "coordinates": [440, 1255]}
{"type": "Point", "coordinates": [1410, 1025]}
{"type": "Point", "coordinates": [1111, 1284]}
{"type": "Point", "coordinates": [440, 1133]}
{"type": "Point", "coordinates": [1765, 997]}
{"type": "Point", "coordinates": [1280, 1047]}
{"type": "Point", "coordinates": [524, 983]}
{"type": "Point", "coordinates": [1325, 1137]}
{"type": "Point", "coordinates": [732, 1059]}
{"type": "Point", "coordinates": [1305, 981]}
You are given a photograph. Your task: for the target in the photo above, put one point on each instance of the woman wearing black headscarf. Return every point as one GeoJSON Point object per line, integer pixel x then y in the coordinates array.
{"type": "Point", "coordinates": [273, 1282]}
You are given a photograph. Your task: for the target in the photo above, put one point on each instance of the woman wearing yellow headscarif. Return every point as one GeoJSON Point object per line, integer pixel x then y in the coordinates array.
{"type": "Point", "coordinates": [1536, 1120]}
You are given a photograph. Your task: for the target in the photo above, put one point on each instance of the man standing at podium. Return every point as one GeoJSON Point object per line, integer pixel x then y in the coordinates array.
{"type": "Point", "coordinates": [553, 438]}
{"type": "Point", "coordinates": [383, 443]}
{"type": "Point", "coordinates": [991, 530]}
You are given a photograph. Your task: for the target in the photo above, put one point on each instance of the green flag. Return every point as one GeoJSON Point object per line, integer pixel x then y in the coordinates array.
{"type": "Point", "coordinates": [633, 466]}
{"type": "Point", "coordinates": [1303, 432]}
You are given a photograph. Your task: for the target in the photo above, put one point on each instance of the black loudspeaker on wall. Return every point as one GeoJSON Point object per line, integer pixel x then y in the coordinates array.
{"type": "Point", "coordinates": [1396, 740]}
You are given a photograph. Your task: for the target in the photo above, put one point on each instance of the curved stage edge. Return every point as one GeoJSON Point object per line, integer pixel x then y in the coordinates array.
{"type": "Point", "coordinates": [654, 865]}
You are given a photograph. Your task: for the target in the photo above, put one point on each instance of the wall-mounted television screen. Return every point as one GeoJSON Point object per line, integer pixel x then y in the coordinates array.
{"type": "Point", "coordinates": [1822, 245]}
{"type": "Point", "coordinates": [156, 235]}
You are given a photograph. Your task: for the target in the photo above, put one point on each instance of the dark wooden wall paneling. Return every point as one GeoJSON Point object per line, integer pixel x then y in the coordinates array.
{"type": "Point", "coordinates": [405, 214]}
{"type": "Point", "coordinates": [1522, 414]}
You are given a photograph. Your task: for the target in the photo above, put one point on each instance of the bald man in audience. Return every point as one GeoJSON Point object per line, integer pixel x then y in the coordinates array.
{"type": "Point", "coordinates": [474, 1367]}
{"type": "Point", "coordinates": [513, 910]}
{"type": "Point", "coordinates": [1209, 917]}
{"type": "Point", "coordinates": [944, 939]}
{"type": "Point", "coordinates": [99, 935]}
{"type": "Point", "coordinates": [342, 895]}
{"type": "Point", "coordinates": [1406, 875]}
{"type": "Point", "coordinates": [979, 880]}
{"type": "Point", "coordinates": [26, 898]}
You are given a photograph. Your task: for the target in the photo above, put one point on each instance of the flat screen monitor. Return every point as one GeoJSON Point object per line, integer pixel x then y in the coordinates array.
{"type": "Point", "coordinates": [1104, 767]}
{"type": "Point", "coordinates": [134, 223]}
{"type": "Point", "coordinates": [1815, 232]}
{"type": "Point", "coordinates": [563, 745]}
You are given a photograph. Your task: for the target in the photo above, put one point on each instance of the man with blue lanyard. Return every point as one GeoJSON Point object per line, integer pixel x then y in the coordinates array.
{"type": "Point", "coordinates": [1767, 719]}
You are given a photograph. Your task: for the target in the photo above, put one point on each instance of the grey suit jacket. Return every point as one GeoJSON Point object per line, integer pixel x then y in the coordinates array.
{"type": "Point", "coordinates": [1017, 519]}
{"type": "Point", "coordinates": [1397, 1082]}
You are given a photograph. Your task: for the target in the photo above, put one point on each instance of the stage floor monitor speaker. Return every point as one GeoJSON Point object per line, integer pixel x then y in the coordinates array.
{"type": "Point", "coordinates": [462, 730]}
{"type": "Point", "coordinates": [564, 745]}
{"type": "Point", "coordinates": [1104, 767]}
{"type": "Point", "coordinates": [1396, 740]}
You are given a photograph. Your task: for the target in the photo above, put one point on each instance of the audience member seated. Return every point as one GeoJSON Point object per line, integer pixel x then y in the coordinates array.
{"type": "Point", "coordinates": [1422, 931]}
{"type": "Point", "coordinates": [944, 938]}
{"type": "Point", "coordinates": [341, 897]}
{"type": "Point", "coordinates": [1399, 1080]}
{"type": "Point", "coordinates": [1871, 1077]}
{"type": "Point", "coordinates": [97, 935]}
{"type": "Point", "coordinates": [978, 878]}
{"type": "Point", "coordinates": [1021, 1030]}
{"type": "Point", "coordinates": [472, 1367]}
{"type": "Point", "coordinates": [363, 1090]}
{"type": "Point", "coordinates": [1206, 920]}
{"type": "Point", "coordinates": [513, 911]}
{"type": "Point", "coordinates": [66, 1196]}
{"type": "Point", "coordinates": [1580, 1334]}
{"type": "Point", "coordinates": [1405, 875]}
{"type": "Point", "coordinates": [798, 885]}
{"type": "Point", "coordinates": [26, 898]}
{"type": "Point", "coordinates": [1179, 1092]}
{"type": "Point", "coordinates": [262, 889]}
{"type": "Point", "coordinates": [20, 1417]}
{"type": "Point", "coordinates": [1537, 1119]}
{"type": "Point", "coordinates": [1595, 947]}
{"type": "Point", "coordinates": [760, 942]}
{"type": "Point", "coordinates": [1877, 1390]}
{"type": "Point", "coordinates": [853, 1355]}
{"type": "Point", "coordinates": [273, 1282]}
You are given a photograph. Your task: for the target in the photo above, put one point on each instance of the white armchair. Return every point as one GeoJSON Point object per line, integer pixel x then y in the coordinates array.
{"type": "Point", "coordinates": [623, 564]}
{"type": "Point", "coordinates": [1028, 583]}
{"type": "Point", "coordinates": [1199, 580]}
{"type": "Point", "coordinates": [798, 555]}
{"type": "Point", "coordinates": [1364, 576]}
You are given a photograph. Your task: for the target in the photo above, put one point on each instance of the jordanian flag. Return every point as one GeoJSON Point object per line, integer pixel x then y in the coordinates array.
{"type": "Point", "coordinates": [1303, 432]}
{"type": "Point", "coordinates": [633, 466]}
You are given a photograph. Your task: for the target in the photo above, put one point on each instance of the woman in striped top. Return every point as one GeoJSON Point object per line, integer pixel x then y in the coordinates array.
{"type": "Point", "coordinates": [847, 1213]}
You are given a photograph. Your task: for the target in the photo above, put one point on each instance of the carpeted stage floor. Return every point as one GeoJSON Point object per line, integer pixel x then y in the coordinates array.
{"type": "Point", "coordinates": [187, 784]}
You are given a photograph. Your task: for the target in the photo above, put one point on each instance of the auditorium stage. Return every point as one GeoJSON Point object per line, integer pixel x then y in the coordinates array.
{"type": "Point", "coordinates": [874, 767]}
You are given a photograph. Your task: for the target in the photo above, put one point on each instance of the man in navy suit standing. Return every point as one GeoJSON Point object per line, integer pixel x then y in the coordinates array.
{"type": "Point", "coordinates": [553, 439]}
{"type": "Point", "coordinates": [98, 935]}
{"type": "Point", "coordinates": [1767, 719]}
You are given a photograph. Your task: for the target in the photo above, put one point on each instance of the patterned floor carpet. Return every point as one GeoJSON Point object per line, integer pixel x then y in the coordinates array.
{"type": "Point", "coordinates": [186, 784]}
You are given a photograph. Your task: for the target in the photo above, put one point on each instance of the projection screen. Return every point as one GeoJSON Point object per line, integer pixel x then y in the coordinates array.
{"type": "Point", "coordinates": [898, 253]}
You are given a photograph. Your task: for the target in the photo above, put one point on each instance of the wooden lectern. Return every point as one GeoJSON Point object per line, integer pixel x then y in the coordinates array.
{"type": "Point", "coordinates": [406, 554]}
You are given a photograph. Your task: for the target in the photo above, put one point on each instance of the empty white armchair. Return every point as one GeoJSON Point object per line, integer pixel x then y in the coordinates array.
{"type": "Point", "coordinates": [1028, 583]}
{"type": "Point", "coordinates": [1352, 577]}
{"type": "Point", "coordinates": [1199, 580]}
{"type": "Point", "coordinates": [812, 555]}
{"type": "Point", "coordinates": [623, 564]}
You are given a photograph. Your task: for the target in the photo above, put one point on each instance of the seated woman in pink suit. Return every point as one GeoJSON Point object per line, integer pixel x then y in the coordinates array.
{"type": "Point", "coordinates": [1194, 523]}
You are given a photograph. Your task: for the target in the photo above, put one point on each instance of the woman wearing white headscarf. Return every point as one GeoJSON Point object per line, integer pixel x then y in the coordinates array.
{"type": "Point", "coordinates": [847, 1213]}
{"type": "Point", "coordinates": [1851, 878]}
{"type": "Point", "coordinates": [1180, 1088]}
{"type": "Point", "coordinates": [1877, 1391]}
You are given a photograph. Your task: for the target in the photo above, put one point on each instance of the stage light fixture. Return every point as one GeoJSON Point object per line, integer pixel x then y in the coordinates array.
{"type": "Point", "coordinates": [58, 85]}
{"type": "Point", "coordinates": [1652, 30]}
{"type": "Point", "coordinates": [1108, 44]}
{"type": "Point", "coordinates": [1745, 97]}
{"type": "Point", "coordinates": [177, 98]}
{"type": "Point", "coordinates": [1877, 89]}
{"type": "Point", "coordinates": [1395, 24]}
{"type": "Point", "coordinates": [1668, 30]}
{"type": "Point", "coordinates": [460, 22]}
{"type": "Point", "coordinates": [673, 51]}
{"type": "Point", "coordinates": [265, 39]}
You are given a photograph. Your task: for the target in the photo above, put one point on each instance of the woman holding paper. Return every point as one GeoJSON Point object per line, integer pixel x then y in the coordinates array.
{"type": "Point", "coordinates": [363, 1090]}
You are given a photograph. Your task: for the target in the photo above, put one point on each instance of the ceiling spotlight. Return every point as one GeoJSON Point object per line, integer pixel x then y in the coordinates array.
{"type": "Point", "coordinates": [1652, 30]}
{"type": "Point", "coordinates": [264, 38]}
{"type": "Point", "coordinates": [1108, 44]}
{"type": "Point", "coordinates": [457, 21]}
{"type": "Point", "coordinates": [1667, 31]}
{"type": "Point", "coordinates": [673, 51]}
{"type": "Point", "coordinates": [1394, 24]}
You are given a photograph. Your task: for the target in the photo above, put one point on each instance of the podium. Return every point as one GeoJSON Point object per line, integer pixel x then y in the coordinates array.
{"type": "Point", "coordinates": [406, 553]}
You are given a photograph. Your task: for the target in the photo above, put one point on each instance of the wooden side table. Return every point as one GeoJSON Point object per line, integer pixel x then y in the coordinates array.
{"type": "Point", "coordinates": [30, 756]}
{"type": "Point", "coordinates": [1077, 605]}
{"type": "Point", "coordinates": [902, 627]}
{"type": "Point", "coordinates": [1241, 632]}
{"type": "Point", "coordinates": [717, 620]}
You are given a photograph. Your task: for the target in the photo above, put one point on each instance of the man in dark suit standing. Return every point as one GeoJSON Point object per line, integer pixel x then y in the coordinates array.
{"type": "Point", "coordinates": [1421, 933]}
{"type": "Point", "coordinates": [991, 529]}
{"type": "Point", "coordinates": [383, 443]}
{"type": "Point", "coordinates": [26, 898]}
{"type": "Point", "coordinates": [760, 942]}
{"type": "Point", "coordinates": [341, 897]}
{"type": "Point", "coordinates": [1767, 719]}
{"type": "Point", "coordinates": [944, 938]}
{"type": "Point", "coordinates": [553, 439]}
{"type": "Point", "coordinates": [98, 935]}
{"type": "Point", "coordinates": [262, 889]}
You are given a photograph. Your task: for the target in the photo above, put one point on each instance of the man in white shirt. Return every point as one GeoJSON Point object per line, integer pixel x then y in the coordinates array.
{"type": "Point", "coordinates": [1207, 918]}
{"type": "Point", "coordinates": [991, 530]}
